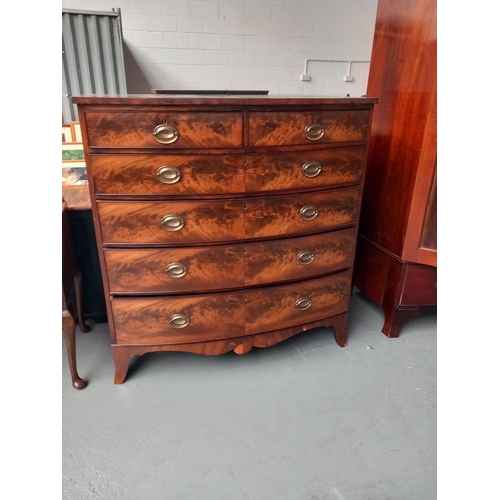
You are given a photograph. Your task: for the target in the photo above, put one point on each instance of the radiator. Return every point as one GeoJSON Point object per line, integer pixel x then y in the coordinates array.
{"type": "Point", "coordinates": [92, 56]}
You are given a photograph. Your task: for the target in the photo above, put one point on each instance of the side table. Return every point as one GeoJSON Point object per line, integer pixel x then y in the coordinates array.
{"type": "Point", "coordinates": [71, 276]}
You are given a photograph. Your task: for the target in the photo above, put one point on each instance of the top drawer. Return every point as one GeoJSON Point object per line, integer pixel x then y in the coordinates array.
{"type": "Point", "coordinates": [287, 128]}
{"type": "Point", "coordinates": [169, 129]}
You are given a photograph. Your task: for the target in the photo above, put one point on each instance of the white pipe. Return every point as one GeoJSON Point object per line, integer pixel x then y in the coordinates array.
{"type": "Point", "coordinates": [334, 60]}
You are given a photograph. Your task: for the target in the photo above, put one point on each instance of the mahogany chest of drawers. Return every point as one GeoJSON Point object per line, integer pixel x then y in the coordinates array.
{"type": "Point", "coordinates": [223, 223]}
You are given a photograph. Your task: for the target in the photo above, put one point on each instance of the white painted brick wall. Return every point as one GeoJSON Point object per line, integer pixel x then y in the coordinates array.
{"type": "Point", "coordinates": [245, 44]}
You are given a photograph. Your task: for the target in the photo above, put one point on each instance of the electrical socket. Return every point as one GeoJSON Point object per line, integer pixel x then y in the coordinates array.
{"type": "Point", "coordinates": [348, 78]}
{"type": "Point", "coordinates": [305, 78]}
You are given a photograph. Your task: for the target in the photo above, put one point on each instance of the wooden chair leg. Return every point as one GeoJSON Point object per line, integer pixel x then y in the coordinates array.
{"type": "Point", "coordinates": [79, 301]}
{"type": "Point", "coordinates": [68, 324]}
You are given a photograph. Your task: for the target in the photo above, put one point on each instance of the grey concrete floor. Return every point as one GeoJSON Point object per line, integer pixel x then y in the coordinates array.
{"type": "Point", "coordinates": [301, 420]}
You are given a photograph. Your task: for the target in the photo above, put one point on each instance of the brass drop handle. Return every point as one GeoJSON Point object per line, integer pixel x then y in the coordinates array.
{"type": "Point", "coordinates": [303, 303]}
{"type": "Point", "coordinates": [305, 257]}
{"type": "Point", "coordinates": [165, 133]}
{"type": "Point", "coordinates": [172, 222]}
{"type": "Point", "coordinates": [176, 270]}
{"type": "Point", "coordinates": [311, 168]}
{"type": "Point", "coordinates": [309, 212]}
{"type": "Point", "coordinates": [168, 174]}
{"type": "Point", "coordinates": [179, 320]}
{"type": "Point", "coordinates": [314, 131]}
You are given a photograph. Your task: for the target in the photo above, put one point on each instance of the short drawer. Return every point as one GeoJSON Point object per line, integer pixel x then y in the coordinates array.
{"type": "Point", "coordinates": [168, 175]}
{"type": "Point", "coordinates": [284, 306]}
{"type": "Point", "coordinates": [166, 129]}
{"type": "Point", "coordinates": [181, 222]}
{"type": "Point", "coordinates": [286, 128]}
{"type": "Point", "coordinates": [163, 320]}
{"type": "Point", "coordinates": [304, 169]}
{"type": "Point", "coordinates": [202, 269]}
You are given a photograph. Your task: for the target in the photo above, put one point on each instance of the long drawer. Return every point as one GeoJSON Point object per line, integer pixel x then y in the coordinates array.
{"type": "Point", "coordinates": [183, 222]}
{"type": "Point", "coordinates": [181, 319]}
{"type": "Point", "coordinates": [138, 174]}
{"type": "Point", "coordinates": [194, 269]}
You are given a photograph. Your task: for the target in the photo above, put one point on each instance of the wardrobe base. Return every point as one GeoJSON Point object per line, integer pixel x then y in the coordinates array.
{"type": "Point", "coordinates": [403, 290]}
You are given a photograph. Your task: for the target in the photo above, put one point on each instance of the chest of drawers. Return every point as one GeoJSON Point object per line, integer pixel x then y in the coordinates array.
{"type": "Point", "coordinates": [223, 223]}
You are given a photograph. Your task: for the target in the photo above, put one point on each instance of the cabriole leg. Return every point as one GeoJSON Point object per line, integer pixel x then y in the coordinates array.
{"type": "Point", "coordinates": [68, 324]}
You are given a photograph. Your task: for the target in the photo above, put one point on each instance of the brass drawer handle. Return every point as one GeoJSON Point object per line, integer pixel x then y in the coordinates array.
{"type": "Point", "coordinates": [165, 133]}
{"type": "Point", "coordinates": [305, 257]}
{"type": "Point", "coordinates": [168, 175]}
{"type": "Point", "coordinates": [179, 320]}
{"type": "Point", "coordinates": [311, 168]}
{"type": "Point", "coordinates": [309, 212]}
{"type": "Point", "coordinates": [176, 270]}
{"type": "Point", "coordinates": [172, 222]}
{"type": "Point", "coordinates": [303, 303]}
{"type": "Point", "coordinates": [314, 131]}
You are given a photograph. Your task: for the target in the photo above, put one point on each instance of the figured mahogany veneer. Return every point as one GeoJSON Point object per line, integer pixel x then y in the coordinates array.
{"type": "Point", "coordinates": [277, 172]}
{"type": "Point", "coordinates": [223, 223]}
{"type": "Point", "coordinates": [212, 221]}
{"type": "Point", "coordinates": [138, 174]}
{"type": "Point", "coordinates": [224, 315]}
{"type": "Point", "coordinates": [134, 129]}
{"type": "Point", "coordinates": [287, 128]}
{"type": "Point", "coordinates": [132, 271]}
{"type": "Point", "coordinates": [226, 174]}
